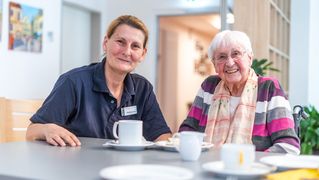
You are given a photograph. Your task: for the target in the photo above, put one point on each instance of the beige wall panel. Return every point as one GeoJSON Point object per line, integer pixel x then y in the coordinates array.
{"type": "Point", "coordinates": [252, 17]}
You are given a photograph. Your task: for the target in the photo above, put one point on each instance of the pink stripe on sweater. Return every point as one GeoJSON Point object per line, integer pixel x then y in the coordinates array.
{"type": "Point", "coordinates": [260, 130]}
{"type": "Point", "coordinates": [197, 113]}
{"type": "Point", "coordinates": [274, 126]}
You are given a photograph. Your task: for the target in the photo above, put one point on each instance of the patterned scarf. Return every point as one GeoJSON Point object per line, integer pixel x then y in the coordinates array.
{"type": "Point", "coordinates": [221, 127]}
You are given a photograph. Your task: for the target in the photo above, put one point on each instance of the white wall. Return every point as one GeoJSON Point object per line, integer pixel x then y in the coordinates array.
{"type": "Point", "coordinates": [99, 6]}
{"type": "Point", "coordinates": [32, 75]}
{"type": "Point", "coordinates": [304, 74]}
{"type": "Point", "coordinates": [76, 38]}
{"type": "Point", "coordinates": [26, 74]}
{"type": "Point", "coordinates": [313, 54]}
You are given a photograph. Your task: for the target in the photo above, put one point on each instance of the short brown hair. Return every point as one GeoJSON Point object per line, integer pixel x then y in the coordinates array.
{"type": "Point", "coordinates": [131, 21]}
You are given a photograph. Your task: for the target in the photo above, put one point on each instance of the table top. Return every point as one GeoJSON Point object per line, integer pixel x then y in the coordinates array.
{"type": "Point", "coordinates": [38, 160]}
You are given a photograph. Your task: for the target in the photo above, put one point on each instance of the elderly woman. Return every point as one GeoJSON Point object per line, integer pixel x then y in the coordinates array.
{"type": "Point", "coordinates": [237, 106]}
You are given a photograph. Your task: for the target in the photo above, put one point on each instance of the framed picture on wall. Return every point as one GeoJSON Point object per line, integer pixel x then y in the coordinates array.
{"type": "Point", "coordinates": [25, 28]}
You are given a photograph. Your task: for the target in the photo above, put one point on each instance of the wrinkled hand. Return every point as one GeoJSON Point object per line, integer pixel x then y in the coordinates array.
{"type": "Point", "coordinates": [59, 136]}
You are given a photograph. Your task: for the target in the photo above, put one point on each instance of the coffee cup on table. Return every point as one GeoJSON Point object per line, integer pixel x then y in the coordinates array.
{"type": "Point", "coordinates": [190, 145]}
{"type": "Point", "coordinates": [130, 132]}
{"type": "Point", "coordinates": [237, 156]}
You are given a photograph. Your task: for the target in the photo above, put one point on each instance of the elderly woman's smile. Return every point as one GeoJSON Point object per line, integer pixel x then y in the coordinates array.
{"type": "Point", "coordinates": [232, 71]}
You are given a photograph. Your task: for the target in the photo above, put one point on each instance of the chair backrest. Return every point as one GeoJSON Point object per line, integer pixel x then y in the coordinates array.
{"type": "Point", "coordinates": [17, 117]}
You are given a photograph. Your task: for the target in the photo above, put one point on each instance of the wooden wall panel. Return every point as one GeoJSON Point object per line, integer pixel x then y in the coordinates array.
{"type": "Point", "coordinates": [267, 23]}
{"type": "Point", "coordinates": [252, 17]}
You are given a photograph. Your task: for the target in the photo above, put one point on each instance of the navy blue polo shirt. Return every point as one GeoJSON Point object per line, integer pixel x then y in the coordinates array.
{"type": "Point", "coordinates": [82, 103]}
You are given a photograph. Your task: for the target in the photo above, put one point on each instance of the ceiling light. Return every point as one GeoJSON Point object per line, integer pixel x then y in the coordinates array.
{"type": "Point", "coordinates": [196, 3]}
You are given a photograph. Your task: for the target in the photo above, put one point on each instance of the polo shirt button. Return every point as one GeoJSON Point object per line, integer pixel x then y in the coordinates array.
{"type": "Point", "coordinates": [112, 101]}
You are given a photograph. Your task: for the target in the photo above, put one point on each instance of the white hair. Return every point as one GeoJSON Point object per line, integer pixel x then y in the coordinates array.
{"type": "Point", "coordinates": [227, 38]}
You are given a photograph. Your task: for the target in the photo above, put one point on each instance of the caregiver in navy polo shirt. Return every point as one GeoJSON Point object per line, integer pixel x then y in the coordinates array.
{"type": "Point", "coordinates": [86, 101]}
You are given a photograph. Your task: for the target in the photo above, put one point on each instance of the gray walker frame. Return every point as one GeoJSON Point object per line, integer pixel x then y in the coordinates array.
{"type": "Point", "coordinates": [299, 114]}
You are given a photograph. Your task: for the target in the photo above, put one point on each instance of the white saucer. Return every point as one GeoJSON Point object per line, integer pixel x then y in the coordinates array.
{"type": "Point", "coordinates": [292, 161]}
{"type": "Point", "coordinates": [169, 146]}
{"type": "Point", "coordinates": [257, 169]}
{"type": "Point", "coordinates": [146, 172]}
{"type": "Point", "coordinates": [128, 147]}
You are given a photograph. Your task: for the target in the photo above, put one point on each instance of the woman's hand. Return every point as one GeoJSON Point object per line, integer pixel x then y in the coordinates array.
{"type": "Point", "coordinates": [59, 136]}
{"type": "Point", "coordinates": [164, 137]}
{"type": "Point", "coordinates": [52, 133]}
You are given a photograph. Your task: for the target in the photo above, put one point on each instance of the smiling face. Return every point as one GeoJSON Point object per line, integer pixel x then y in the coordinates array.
{"type": "Point", "coordinates": [124, 49]}
{"type": "Point", "coordinates": [232, 63]}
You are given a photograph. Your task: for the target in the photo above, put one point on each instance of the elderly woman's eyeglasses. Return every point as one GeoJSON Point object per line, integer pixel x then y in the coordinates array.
{"type": "Point", "coordinates": [235, 55]}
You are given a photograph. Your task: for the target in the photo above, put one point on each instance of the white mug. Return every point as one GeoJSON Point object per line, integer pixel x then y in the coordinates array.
{"type": "Point", "coordinates": [190, 145]}
{"type": "Point", "coordinates": [130, 132]}
{"type": "Point", "coordinates": [238, 156]}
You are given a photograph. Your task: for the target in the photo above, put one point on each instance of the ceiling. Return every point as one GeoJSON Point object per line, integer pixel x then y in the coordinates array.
{"type": "Point", "coordinates": [201, 23]}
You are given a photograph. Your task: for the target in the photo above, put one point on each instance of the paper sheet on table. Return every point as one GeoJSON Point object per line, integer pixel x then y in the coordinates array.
{"type": "Point", "coordinates": [295, 174]}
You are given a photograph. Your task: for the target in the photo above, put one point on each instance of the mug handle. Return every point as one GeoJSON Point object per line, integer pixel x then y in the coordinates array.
{"type": "Point", "coordinates": [114, 130]}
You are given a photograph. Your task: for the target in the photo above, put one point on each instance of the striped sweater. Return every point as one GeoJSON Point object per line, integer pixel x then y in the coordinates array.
{"type": "Point", "coordinates": [273, 129]}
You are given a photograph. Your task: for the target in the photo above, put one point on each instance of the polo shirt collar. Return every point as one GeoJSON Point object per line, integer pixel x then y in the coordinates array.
{"type": "Point", "coordinates": [129, 84]}
{"type": "Point", "coordinates": [99, 80]}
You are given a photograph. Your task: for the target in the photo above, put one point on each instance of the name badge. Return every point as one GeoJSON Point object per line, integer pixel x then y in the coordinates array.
{"type": "Point", "coordinates": [126, 111]}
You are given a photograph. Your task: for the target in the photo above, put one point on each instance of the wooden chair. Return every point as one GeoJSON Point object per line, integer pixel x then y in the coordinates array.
{"type": "Point", "coordinates": [17, 117]}
{"type": "Point", "coordinates": [2, 118]}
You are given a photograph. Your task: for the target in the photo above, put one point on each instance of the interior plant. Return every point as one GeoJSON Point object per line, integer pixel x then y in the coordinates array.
{"type": "Point", "coordinates": [309, 130]}
{"type": "Point", "coordinates": [262, 66]}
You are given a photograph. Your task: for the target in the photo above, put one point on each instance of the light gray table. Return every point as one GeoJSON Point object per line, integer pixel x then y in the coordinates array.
{"type": "Point", "coordinates": [38, 160]}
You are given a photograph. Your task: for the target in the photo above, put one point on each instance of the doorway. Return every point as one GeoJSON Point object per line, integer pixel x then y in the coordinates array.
{"type": "Point", "coordinates": [80, 37]}
{"type": "Point", "coordinates": [182, 62]}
